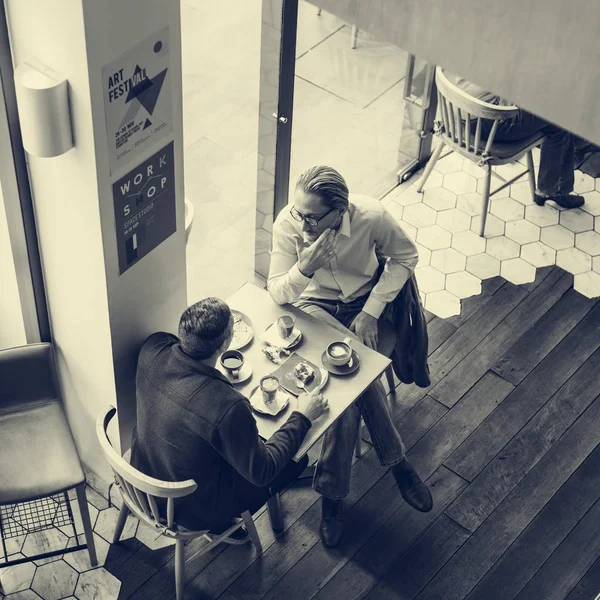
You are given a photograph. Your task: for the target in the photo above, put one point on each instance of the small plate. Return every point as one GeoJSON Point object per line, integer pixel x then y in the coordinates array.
{"type": "Point", "coordinates": [351, 366]}
{"type": "Point", "coordinates": [322, 383]}
{"type": "Point", "coordinates": [244, 374]}
{"type": "Point", "coordinates": [282, 399]}
{"type": "Point", "coordinates": [271, 335]}
{"type": "Point", "coordinates": [243, 332]}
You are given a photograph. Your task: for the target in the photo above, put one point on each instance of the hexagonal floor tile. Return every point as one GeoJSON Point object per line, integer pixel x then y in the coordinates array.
{"type": "Point", "coordinates": [597, 225]}
{"type": "Point", "coordinates": [521, 192]}
{"type": "Point", "coordinates": [588, 241]}
{"type": "Point", "coordinates": [473, 169]}
{"type": "Point", "coordinates": [429, 279]}
{"type": "Point", "coordinates": [576, 220]}
{"type": "Point", "coordinates": [507, 209]}
{"type": "Point", "coordinates": [448, 260]}
{"type": "Point", "coordinates": [543, 216]}
{"type": "Point", "coordinates": [522, 231]}
{"type": "Point", "coordinates": [587, 284]}
{"type": "Point", "coordinates": [153, 540]}
{"type": "Point", "coordinates": [463, 284]}
{"type": "Point", "coordinates": [97, 584]}
{"type": "Point", "coordinates": [396, 210]}
{"type": "Point", "coordinates": [409, 230]}
{"type": "Point", "coordinates": [557, 237]}
{"type": "Point", "coordinates": [494, 226]}
{"type": "Point", "coordinates": [424, 255]}
{"type": "Point", "coordinates": [434, 237]}
{"type": "Point", "coordinates": [419, 215]}
{"type": "Point", "coordinates": [510, 170]}
{"type": "Point", "coordinates": [434, 180]}
{"type": "Point", "coordinates": [14, 544]}
{"type": "Point", "coordinates": [16, 577]}
{"type": "Point", "coordinates": [106, 521]}
{"type": "Point", "coordinates": [439, 198]}
{"type": "Point", "coordinates": [26, 595]}
{"type": "Point", "coordinates": [596, 264]}
{"type": "Point", "coordinates": [449, 164]}
{"type": "Point", "coordinates": [40, 542]}
{"type": "Point", "coordinates": [460, 183]}
{"type": "Point", "coordinates": [538, 254]}
{"type": "Point", "coordinates": [409, 196]}
{"type": "Point", "coordinates": [54, 581]}
{"type": "Point", "coordinates": [517, 271]}
{"type": "Point", "coordinates": [503, 193]}
{"type": "Point", "coordinates": [574, 260]}
{"type": "Point", "coordinates": [592, 203]}
{"type": "Point", "coordinates": [80, 560]}
{"type": "Point", "coordinates": [44, 514]}
{"type": "Point", "coordinates": [68, 530]}
{"type": "Point", "coordinates": [454, 220]}
{"type": "Point", "coordinates": [443, 304]}
{"type": "Point", "coordinates": [583, 183]}
{"type": "Point", "coordinates": [468, 243]}
{"type": "Point", "coordinates": [502, 248]}
{"type": "Point", "coordinates": [471, 203]}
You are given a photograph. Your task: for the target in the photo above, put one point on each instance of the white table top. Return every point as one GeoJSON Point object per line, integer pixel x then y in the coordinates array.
{"type": "Point", "coordinates": [341, 391]}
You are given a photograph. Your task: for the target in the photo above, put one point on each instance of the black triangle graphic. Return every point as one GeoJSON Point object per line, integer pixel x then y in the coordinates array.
{"type": "Point", "coordinates": [147, 123]}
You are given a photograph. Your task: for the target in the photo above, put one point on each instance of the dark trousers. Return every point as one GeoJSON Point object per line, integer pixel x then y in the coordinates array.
{"type": "Point", "coordinates": [556, 176]}
{"type": "Point", "coordinates": [250, 497]}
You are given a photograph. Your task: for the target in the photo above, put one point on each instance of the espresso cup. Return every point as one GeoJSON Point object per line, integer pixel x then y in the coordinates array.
{"type": "Point", "coordinates": [285, 325]}
{"type": "Point", "coordinates": [232, 361]}
{"type": "Point", "coordinates": [339, 353]}
{"type": "Point", "coordinates": [269, 384]}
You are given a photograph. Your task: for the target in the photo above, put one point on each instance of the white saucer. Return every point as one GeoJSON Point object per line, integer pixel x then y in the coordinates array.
{"type": "Point", "coordinates": [271, 335]}
{"type": "Point", "coordinates": [244, 374]}
{"type": "Point", "coordinates": [282, 399]}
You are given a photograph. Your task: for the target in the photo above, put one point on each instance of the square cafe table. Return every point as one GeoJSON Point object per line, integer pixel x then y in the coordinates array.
{"type": "Point", "coordinates": [341, 391]}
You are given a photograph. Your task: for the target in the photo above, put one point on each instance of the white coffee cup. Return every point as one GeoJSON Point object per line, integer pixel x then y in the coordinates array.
{"type": "Point", "coordinates": [339, 353]}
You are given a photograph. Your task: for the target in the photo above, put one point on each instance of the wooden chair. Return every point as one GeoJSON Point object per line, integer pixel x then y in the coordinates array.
{"type": "Point", "coordinates": [460, 130]}
{"type": "Point", "coordinates": [39, 462]}
{"type": "Point", "coordinates": [139, 494]}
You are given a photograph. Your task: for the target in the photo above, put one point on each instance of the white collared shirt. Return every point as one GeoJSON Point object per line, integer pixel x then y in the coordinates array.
{"type": "Point", "coordinates": [366, 228]}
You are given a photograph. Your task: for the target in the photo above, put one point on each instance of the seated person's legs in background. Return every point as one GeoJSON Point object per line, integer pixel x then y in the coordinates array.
{"type": "Point", "coordinates": [556, 175]}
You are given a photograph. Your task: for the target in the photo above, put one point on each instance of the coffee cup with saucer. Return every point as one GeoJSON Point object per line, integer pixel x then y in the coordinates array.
{"type": "Point", "coordinates": [234, 367]}
{"type": "Point", "coordinates": [340, 358]}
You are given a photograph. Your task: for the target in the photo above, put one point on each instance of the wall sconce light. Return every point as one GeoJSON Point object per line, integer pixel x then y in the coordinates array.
{"type": "Point", "coordinates": [43, 102]}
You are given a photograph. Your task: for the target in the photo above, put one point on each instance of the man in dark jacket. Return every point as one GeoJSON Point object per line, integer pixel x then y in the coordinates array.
{"type": "Point", "coordinates": [326, 246]}
{"type": "Point", "coordinates": [193, 424]}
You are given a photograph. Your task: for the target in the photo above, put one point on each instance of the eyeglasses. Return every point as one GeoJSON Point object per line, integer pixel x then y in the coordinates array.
{"type": "Point", "coordinates": [312, 221]}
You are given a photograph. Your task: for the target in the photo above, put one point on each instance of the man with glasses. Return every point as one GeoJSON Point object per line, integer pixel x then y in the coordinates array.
{"type": "Point", "coordinates": [325, 261]}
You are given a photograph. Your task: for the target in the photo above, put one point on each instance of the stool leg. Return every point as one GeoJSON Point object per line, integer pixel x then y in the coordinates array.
{"type": "Point", "coordinates": [354, 37]}
{"type": "Point", "coordinates": [275, 512]}
{"type": "Point", "coordinates": [179, 568]}
{"type": "Point", "coordinates": [486, 199]}
{"type": "Point", "coordinates": [121, 520]}
{"type": "Point", "coordinates": [87, 524]}
{"type": "Point", "coordinates": [251, 528]}
{"type": "Point", "coordinates": [531, 169]}
{"type": "Point", "coordinates": [358, 445]}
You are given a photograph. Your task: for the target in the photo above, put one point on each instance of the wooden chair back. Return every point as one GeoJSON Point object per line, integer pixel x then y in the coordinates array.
{"type": "Point", "coordinates": [141, 491]}
{"type": "Point", "coordinates": [462, 117]}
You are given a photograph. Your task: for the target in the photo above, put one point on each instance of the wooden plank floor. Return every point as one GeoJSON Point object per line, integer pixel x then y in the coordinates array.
{"type": "Point", "coordinates": [507, 437]}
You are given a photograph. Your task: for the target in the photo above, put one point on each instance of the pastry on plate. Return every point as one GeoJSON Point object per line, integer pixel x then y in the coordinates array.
{"type": "Point", "coordinates": [305, 373]}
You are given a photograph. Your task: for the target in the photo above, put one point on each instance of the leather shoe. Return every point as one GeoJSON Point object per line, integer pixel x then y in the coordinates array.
{"type": "Point", "coordinates": [332, 524]}
{"type": "Point", "coordinates": [413, 490]}
{"type": "Point", "coordinates": [565, 200]}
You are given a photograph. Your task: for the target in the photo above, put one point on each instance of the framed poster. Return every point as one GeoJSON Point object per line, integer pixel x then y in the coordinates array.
{"type": "Point", "coordinates": [137, 100]}
{"type": "Point", "coordinates": [145, 212]}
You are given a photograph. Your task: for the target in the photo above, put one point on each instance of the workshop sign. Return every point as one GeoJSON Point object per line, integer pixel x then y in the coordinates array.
{"type": "Point", "coordinates": [145, 214]}
{"type": "Point", "coordinates": [137, 100]}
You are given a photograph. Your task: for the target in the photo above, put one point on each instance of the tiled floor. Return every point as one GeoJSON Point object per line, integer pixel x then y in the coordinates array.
{"type": "Point", "coordinates": [520, 236]}
{"type": "Point", "coordinates": [68, 576]}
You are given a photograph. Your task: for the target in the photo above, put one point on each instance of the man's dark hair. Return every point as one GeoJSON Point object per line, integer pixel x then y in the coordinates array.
{"type": "Point", "coordinates": [203, 327]}
{"type": "Point", "coordinates": [327, 184]}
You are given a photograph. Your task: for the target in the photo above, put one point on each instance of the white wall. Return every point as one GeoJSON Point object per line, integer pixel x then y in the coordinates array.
{"type": "Point", "coordinates": [98, 318]}
{"type": "Point", "coordinates": [12, 328]}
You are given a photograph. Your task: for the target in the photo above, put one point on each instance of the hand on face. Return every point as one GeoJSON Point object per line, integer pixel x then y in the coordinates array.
{"type": "Point", "coordinates": [319, 253]}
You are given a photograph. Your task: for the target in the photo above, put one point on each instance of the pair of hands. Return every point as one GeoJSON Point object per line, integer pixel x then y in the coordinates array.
{"type": "Point", "coordinates": [316, 256]}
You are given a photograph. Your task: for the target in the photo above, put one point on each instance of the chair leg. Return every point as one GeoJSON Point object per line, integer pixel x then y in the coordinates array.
{"type": "Point", "coordinates": [275, 512]}
{"type": "Point", "coordinates": [429, 167]}
{"type": "Point", "coordinates": [531, 170]}
{"type": "Point", "coordinates": [358, 445]}
{"type": "Point", "coordinates": [179, 568]}
{"type": "Point", "coordinates": [486, 199]}
{"type": "Point", "coordinates": [87, 523]}
{"type": "Point", "coordinates": [251, 528]}
{"type": "Point", "coordinates": [389, 374]}
{"type": "Point", "coordinates": [121, 520]}
{"type": "Point", "coordinates": [319, 12]}
{"type": "Point", "coordinates": [354, 37]}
